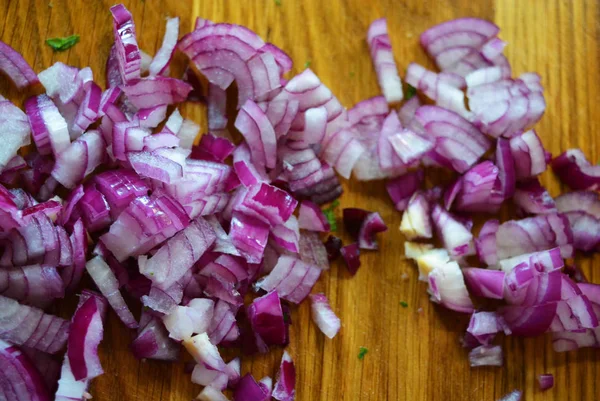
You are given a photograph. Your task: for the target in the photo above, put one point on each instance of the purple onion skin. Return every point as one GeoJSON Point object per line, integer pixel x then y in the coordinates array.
{"type": "Point", "coordinates": [333, 246]}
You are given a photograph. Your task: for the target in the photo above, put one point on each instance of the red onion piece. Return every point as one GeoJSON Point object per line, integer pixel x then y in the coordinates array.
{"type": "Point", "coordinates": [514, 395]}
{"type": "Point", "coordinates": [351, 255]}
{"type": "Point", "coordinates": [312, 218]}
{"type": "Point", "coordinates": [127, 50]}
{"type": "Point", "coordinates": [529, 155]}
{"type": "Point", "coordinates": [223, 326]}
{"type": "Point", "coordinates": [383, 59]}
{"type": "Point", "coordinates": [178, 254]}
{"type": "Point", "coordinates": [16, 68]}
{"type": "Point", "coordinates": [447, 287]}
{"type": "Point", "coordinates": [485, 283]}
{"type": "Point", "coordinates": [162, 58]}
{"type": "Point", "coordinates": [291, 278]}
{"type": "Point", "coordinates": [282, 113]}
{"type": "Point", "coordinates": [153, 342]}
{"type": "Point", "coordinates": [152, 117]}
{"type": "Point", "coordinates": [85, 336]}
{"type": "Point", "coordinates": [209, 393]}
{"type": "Point", "coordinates": [546, 381]}
{"type": "Point", "coordinates": [154, 91]}
{"type": "Point", "coordinates": [152, 165]}
{"type": "Point", "coordinates": [323, 315]}
{"type": "Point", "coordinates": [34, 285]}
{"type": "Point", "coordinates": [416, 221]}
{"type": "Point", "coordinates": [49, 129]}
{"type": "Point", "coordinates": [458, 143]}
{"type": "Point", "coordinates": [213, 148]}
{"type": "Point", "coordinates": [19, 377]}
{"type": "Point", "coordinates": [217, 108]}
{"type": "Point", "coordinates": [408, 145]}
{"type": "Point", "coordinates": [248, 390]}
{"type": "Point", "coordinates": [80, 159]}
{"type": "Point", "coordinates": [247, 171]}
{"type": "Point", "coordinates": [531, 197]}
{"type": "Point", "coordinates": [120, 187]}
{"type": "Point", "coordinates": [506, 169]}
{"type": "Point", "coordinates": [372, 224]}
{"type": "Point", "coordinates": [16, 131]}
{"type": "Point", "coordinates": [437, 87]}
{"type": "Point", "coordinates": [312, 250]}
{"type": "Point", "coordinates": [456, 237]}
{"type": "Point", "coordinates": [478, 189]}
{"type": "Point", "coordinates": [259, 134]}
{"type": "Point", "coordinates": [24, 325]}
{"type": "Point", "coordinates": [266, 319]}
{"type": "Point", "coordinates": [582, 209]}
{"type": "Point", "coordinates": [46, 364]}
{"type": "Point", "coordinates": [484, 326]}
{"type": "Point", "coordinates": [249, 235]}
{"type": "Point", "coordinates": [195, 317]}
{"type": "Point", "coordinates": [333, 245]}
{"type": "Point", "coordinates": [287, 235]}
{"type": "Point", "coordinates": [401, 189]}
{"type": "Point", "coordinates": [574, 169]}
{"type": "Point", "coordinates": [267, 203]}
{"type": "Point", "coordinates": [486, 355]}
{"type": "Point", "coordinates": [470, 26]}
{"type": "Point", "coordinates": [206, 353]}
{"type": "Point", "coordinates": [285, 386]}
{"type": "Point", "coordinates": [109, 286]}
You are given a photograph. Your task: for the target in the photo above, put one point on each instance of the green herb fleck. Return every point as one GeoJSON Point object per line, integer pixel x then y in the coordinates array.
{"type": "Point", "coordinates": [404, 304]}
{"type": "Point", "coordinates": [277, 2]}
{"type": "Point", "coordinates": [307, 64]}
{"type": "Point", "coordinates": [352, 74]}
{"type": "Point", "coordinates": [410, 92]}
{"type": "Point", "coordinates": [50, 5]}
{"type": "Point", "coordinates": [363, 351]}
{"type": "Point", "coordinates": [62, 44]}
{"type": "Point", "coordinates": [330, 215]}
{"type": "Point", "coordinates": [152, 273]}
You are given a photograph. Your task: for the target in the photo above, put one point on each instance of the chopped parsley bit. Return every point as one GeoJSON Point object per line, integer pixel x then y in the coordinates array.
{"type": "Point", "coordinates": [307, 64]}
{"type": "Point", "coordinates": [277, 2]}
{"type": "Point", "coordinates": [330, 215]}
{"type": "Point", "coordinates": [404, 304]}
{"type": "Point", "coordinates": [351, 74]}
{"type": "Point", "coordinates": [363, 351]}
{"type": "Point", "coordinates": [62, 44]}
{"type": "Point", "coordinates": [152, 273]}
{"type": "Point", "coordinates": [410, 92]}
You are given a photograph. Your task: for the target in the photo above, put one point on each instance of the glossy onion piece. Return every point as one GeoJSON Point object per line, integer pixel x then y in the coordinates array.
{"type": "Point", "coordinates": [248, 389]}
{"type": "Point", "coordinates": [486, 355]}
{"type": "Point", "coordinates": [282, 113]}
{"type": "Point", "coordinates": [195, 317]}
{"type": "Point", "coordinates": [285, 386]}
{"type": "Point", "coordinates": [546, 381]}
{"type": "Point", "coordinates": [162, 58]}
{"type": "Point", "coordinates": [161, 218]}
{"type": "Point", "coordinates": [287, 235]}
{"type": "Point", "coordinates": [372, 224]}
{"type": "Point", "coordinates": [582, 209]}
{"type": "Point", "coordinates": [209, 393]}
{"type": "Point", "coordinates": [485, 283]}
{"type": "Point", "coordinates": [178, 254]}
{"type": "Point", "coordinates": [19, 377]}
{"type": "Point", "coordinates": [531, 197]}
{"type": "Point", "coordinates": [256, 128]}
{"type": "Point", "coordinates": [267, 322]}
{"type": "Point", "coordinates": [155, 166]}
{"type": "Point", "coordinates": [71, 275]}
{"type": "Point", "coordinates": [217, 108]}
{"type": "Point", "coordinates": [323, 316]}
{"type": "Point", "coordinates": [15, 131]}
{"type": "Point", "coordinates": [402, 188]}
{"type": "Point", "coordinates": [506, 169]}
{"type": "Point", "coordinates": [447, 287]}
{"type": "Point", "coordinates": [205, 353]}
{"type": "Point", "coordinates": [80, 159]}
{"type": "Point", "coordinates": [106, 281]}
{"type": "Point", "coordinates": [48, 127]}
{"type": "Point", "coordinates": [248, 172]}
{"type": "Point", "coordinates": [478, 189]}
{"type": "Point", "coordinates": [24, 325]}
{"type": "Point", "coordinates": [16, 68]}
{"type": "Point", "coordinates": [34, 285]}
{"type": "Point", "coordinates": [518, 237]}
{"type": "Point", "coordinates": [154, 91]}
{"type": "Point", "coordinates": [438, 88]}
{"type": "Point", "coordinates": [407, 145]}
{"type": "Point", "coordinates": [267, 203]}
{"type": "Point", "coordinates": [127, 50]}
{"type": "Point", "coordinates": [574, 169]}
{"type": "Point", "coordinates": [472, 32]}
{"type": "Point", "coordinates": [223, 326]}
{"type": "Point", "coordinates": [291, 278]}
{"type": "Point", "coordinates": [351, 255]}
{"type": "Point", "coordinates": [312, 218]}
{"type": "Point", "coordinates": [416, 220]}
{"type": "Point", "coordinates": [383, 59]}
{"type": "Point", "coordinates": [456, 237]}
{"type": "Point", "coordinates": [249, 235]}
{"type": "Point", "coordinates": [34, 242]}
{"type": "Point", "coordinates": [484, 326]}
{"type": "Point", "coordinates": [153, 342]}
{"type": "Point", "coordinates": [458, 143]}
{"type": "Point", "coordinates": [213, 148]}
{"type": "Point", "coordinates": [529, 155]}
{"type": "Point", "coordinates": [120, 187]}
{"type": "Point", "coordinates": [85, 336]}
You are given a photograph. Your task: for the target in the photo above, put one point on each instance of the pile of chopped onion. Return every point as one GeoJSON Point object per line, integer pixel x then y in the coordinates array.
{"type": "Point", "coordinates": [219, 239]}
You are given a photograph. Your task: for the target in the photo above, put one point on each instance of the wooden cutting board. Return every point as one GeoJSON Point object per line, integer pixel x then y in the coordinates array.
{"type": "Point", "coordinates": [413, 352]}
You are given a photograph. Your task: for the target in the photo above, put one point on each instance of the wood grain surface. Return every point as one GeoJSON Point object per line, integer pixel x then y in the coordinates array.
{"type": "Point", "coordinates": [413, 352]}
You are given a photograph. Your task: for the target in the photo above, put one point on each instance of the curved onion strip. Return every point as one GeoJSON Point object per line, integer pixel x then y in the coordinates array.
{"type": "Point", "coordinates": [574, 169]}
{"type": "Point", "coordinates": [19, 377]}
{"type": "Point", "coordinates": [127, 50]}
{"type": "Point", "coordinates": [383, 60]}
{"type": "Point", "coordinates": [49, 129]}
{"type": "Point", "coordinates": [311, 217]}
{"type": "Point", "coordinates": [291, 278]}
{"type": "Point", "coordinates": [16, 68]}
{"type": "Point", "coordinates": [15, 133]}
{"type": "Point", "coordinates": [285, 386]}
{"type": "Point", "coordinates": [162, 58]}
{"type": "Point", "coordinates": [323, 315]}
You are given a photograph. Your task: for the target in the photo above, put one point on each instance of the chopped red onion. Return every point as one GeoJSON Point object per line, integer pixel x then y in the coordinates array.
{"type": "Point", "coordinates": [312, 218]}
{"type": "Point", "coordinates": [155, 91]}
{"type": "Point", "coordinates": [80, 159]}
{"type": "Point", "coordinates": [19, 377]}
{"type": "Point", "coordinates": [457, 237]}
{"type": "Point", "coordinates": [258, 132]}
{"type": "Point", "coordinates": [529, 155]}
{"type": "Point", "coordinates": [485, 283]}
{"type": "Point", "coordinates": [486, 355]}
{"type": "Point", "coordinates": [153, 342]}
{"type": "Point", "coordinates": [531, 197]}
{"type": "Point", "coordinates": [249, 235]}
{"type": "Point", "coordinates": [223, 326]}
{"type": "Point", "coordinates": [109, 286]}
{"type": "Point", "coordinates": [127, 50]}
{"type": "Point", "coordinates": [372, 224]}
{"type": "Point", "coordinates": [24, 325]}
{"type": "Point", "coordinates": [514, 395]}
{"type": "Point", "coordinates": [574, 169]}
{"type": "Point", "coordinates": [383, 60]}
{"type": "Point", "coordinates": [285, 386]}
{"type": "Point", "coordinates": [582, 209]}
{"type": "Point", "coordinates": [162, 58]}
{"type": "Point", "coordinates": [402, 188]}
{"type": "Point", "coordinates": [447, 287]}
{"type": "Point", "coordinates": [15, 131]}
{"type": "Point", "coordinates": [248, 389]}
{"type": "Point", "coordinates": [266, 319]}
{"type": "Point", "coordinates": [484, 326]}
{"type": "Point", "coordinates": [323, 316]}
{"type": "Point", "coordinates": [33, 285]}
{"type": "Point", "coordinates": [416, 220]}
{"type": "Point", "coordinates": [351, 255]}
{"type": "Point", "coordinates": [16, 68]}
{"type": "Point", "coordinates": [478, 189]}
{"type": "Point", "coordinates": [195, 317]}
{"type": "Point", "coordinates": [213, 148]}
{"type": "Point", "coordinates": [209, 393]}
{"type": "Point", "coordinates": [546, 381]}
{"type": "Point", "coordinates": [291, 278]}
{"type": "Point", "coordinates": [287, 235]}
{"type": "Point", "coordinates": [312, 250]}
{"type": "Point", "coordinates": [48, 128]}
